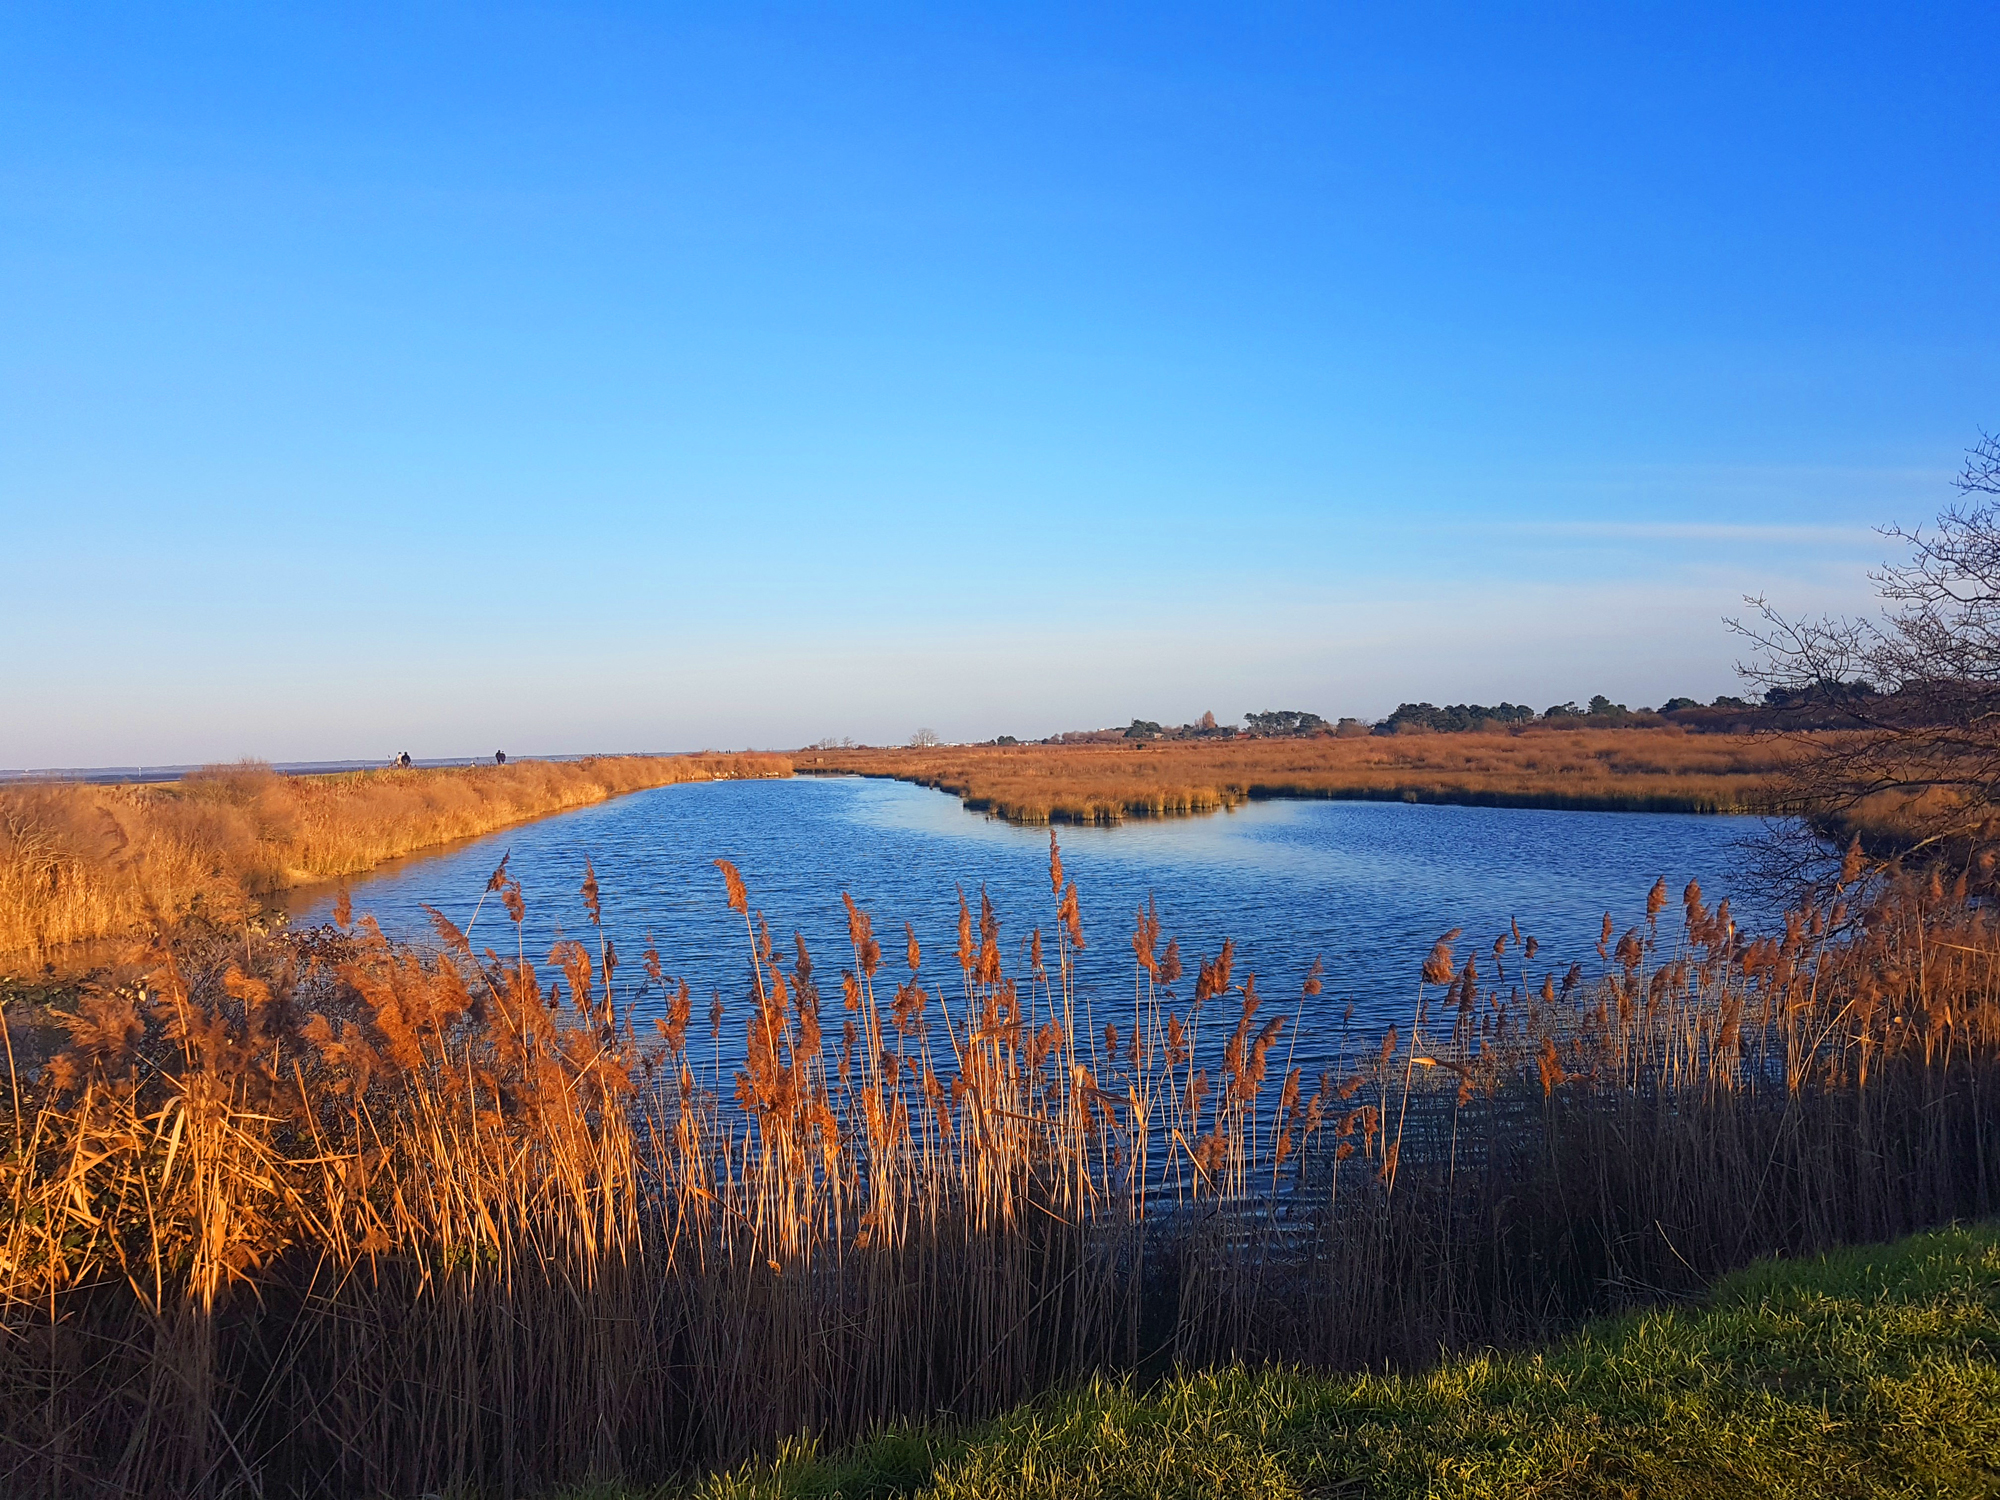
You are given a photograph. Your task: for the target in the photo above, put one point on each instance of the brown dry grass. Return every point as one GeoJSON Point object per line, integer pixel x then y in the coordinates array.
{"type": "Point", "coordinates": [1623, 770]}
{"type": "Point", "coordinates": [323, 1216]}
{"type": "Point", "coordinates": [81, 863]}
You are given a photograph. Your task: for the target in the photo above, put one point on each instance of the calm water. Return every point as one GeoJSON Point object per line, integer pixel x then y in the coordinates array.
{"type": "Point", "coordinates": [1367, 885]}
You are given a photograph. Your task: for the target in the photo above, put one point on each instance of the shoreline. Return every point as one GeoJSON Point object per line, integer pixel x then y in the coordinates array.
{"type": "Point", "coordinates": [1429, 796]}
{"type": "Point", "coordinates": [94, 867]}
{"type": "Point", "coordinates": [1635, 771]}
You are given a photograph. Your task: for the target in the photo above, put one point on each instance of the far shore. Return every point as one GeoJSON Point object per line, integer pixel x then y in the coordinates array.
{"type": "Point", "coordinates": [1656, 770]}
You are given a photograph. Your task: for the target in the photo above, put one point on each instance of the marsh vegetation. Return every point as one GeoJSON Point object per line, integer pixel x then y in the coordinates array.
{"type": "Point", "coordinates": [82, 863]}
{"type": "Point", "coordinates": [1660, 769]}
{"type": "Point", "coordinates": [333, 1216]}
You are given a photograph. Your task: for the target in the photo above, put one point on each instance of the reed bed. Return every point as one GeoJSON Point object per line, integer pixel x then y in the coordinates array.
{"type": "Point", "coordinates": [337, 1217]}
{"type": "Point", "coordinates": [1661, 769]}
{"type": "Point", "coordinates": [81, 863]}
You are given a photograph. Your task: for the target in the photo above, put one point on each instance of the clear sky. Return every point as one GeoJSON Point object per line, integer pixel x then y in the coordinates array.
{"type": "Point", "coordinates": [452, 378]}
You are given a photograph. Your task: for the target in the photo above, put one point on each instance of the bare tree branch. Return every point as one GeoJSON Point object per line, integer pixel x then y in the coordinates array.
{"type": "Point", "coordinates": [1898, 719]}
{"type": "Point", "coordinates": [1982, 467]}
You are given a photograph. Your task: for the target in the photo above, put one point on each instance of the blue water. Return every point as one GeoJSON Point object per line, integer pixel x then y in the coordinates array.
{"type": "Point", "coordinates": [1368, 886]}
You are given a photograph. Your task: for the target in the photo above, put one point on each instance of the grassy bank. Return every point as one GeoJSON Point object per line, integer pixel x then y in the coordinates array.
{"type": "Point", "coordinates": [1868, 1372]}
{"type": "Point", "coordinates": [1616, 770]}
{"type": "Point", "coordinates": [81, 863]}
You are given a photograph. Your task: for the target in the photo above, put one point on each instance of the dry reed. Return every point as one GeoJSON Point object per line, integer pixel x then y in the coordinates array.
{"type": "Point", "coordinates": [352, 1219]}
{"type": "Point", "coordinates": [80, 863]}
{"type": "Point", "coordinates": [1618, 770]}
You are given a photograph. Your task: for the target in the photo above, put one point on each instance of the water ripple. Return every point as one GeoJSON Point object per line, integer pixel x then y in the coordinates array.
{"type": "Point", "coordinates": [1368, 885]}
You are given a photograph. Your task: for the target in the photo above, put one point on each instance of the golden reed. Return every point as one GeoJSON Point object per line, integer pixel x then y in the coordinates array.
{"type": "Point", "coordinates": [1662, 769]}
{"type": "Point", "coordinates": [332, 1216]}
{"type": "Point", "coordinates": [82, 863]}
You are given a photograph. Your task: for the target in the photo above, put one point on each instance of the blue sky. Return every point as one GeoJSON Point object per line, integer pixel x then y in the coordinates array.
{"type": "Point", "coordinates": [555, 379]}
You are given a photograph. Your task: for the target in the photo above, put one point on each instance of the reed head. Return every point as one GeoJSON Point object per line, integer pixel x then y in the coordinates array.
{"type": "Point", "coordinates": [739, 898]}
{"type": "Point", "coordinates": [1439, 968]}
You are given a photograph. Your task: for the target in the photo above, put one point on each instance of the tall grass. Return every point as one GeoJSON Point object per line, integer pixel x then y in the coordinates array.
{"type": "Point", "coordinates": [1640, 770]}
{"type": "Point", "coordinates": [352, 1219]}
{"type": "Point", "coordinates": [79, 863]}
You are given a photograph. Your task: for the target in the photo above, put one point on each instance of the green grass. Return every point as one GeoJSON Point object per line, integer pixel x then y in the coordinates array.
{"type": "Point", "coordinates": [1869, 1372]}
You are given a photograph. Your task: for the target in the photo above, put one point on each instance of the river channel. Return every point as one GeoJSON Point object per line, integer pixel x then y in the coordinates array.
{"type": "Point", "coordinates": [1366, 886]}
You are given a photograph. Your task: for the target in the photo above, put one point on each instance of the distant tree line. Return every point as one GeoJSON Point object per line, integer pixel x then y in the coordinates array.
{"type": "Point", "coordinates": [1455, 717]}
{"type": "Point", "coordinates": [1277, 723]}
{"type": "Point", "coordinates": [1600, 712]}
{"type": "Point", "coordinates": [1831, 704]}
{"type": "Point", "coordinates": [1283, 723]}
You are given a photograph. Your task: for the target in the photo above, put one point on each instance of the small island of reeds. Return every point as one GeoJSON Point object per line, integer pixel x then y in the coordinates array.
{"type": "Point", "coordinates": [1643, 769]}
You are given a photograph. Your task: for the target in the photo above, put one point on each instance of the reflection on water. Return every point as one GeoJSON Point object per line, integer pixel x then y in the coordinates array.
{"type": "Point", "coordinates": [1367, 885]}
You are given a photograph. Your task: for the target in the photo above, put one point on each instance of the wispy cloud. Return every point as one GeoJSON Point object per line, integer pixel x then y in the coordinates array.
{"type": "Point", "coordinates": [1699, 531]}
